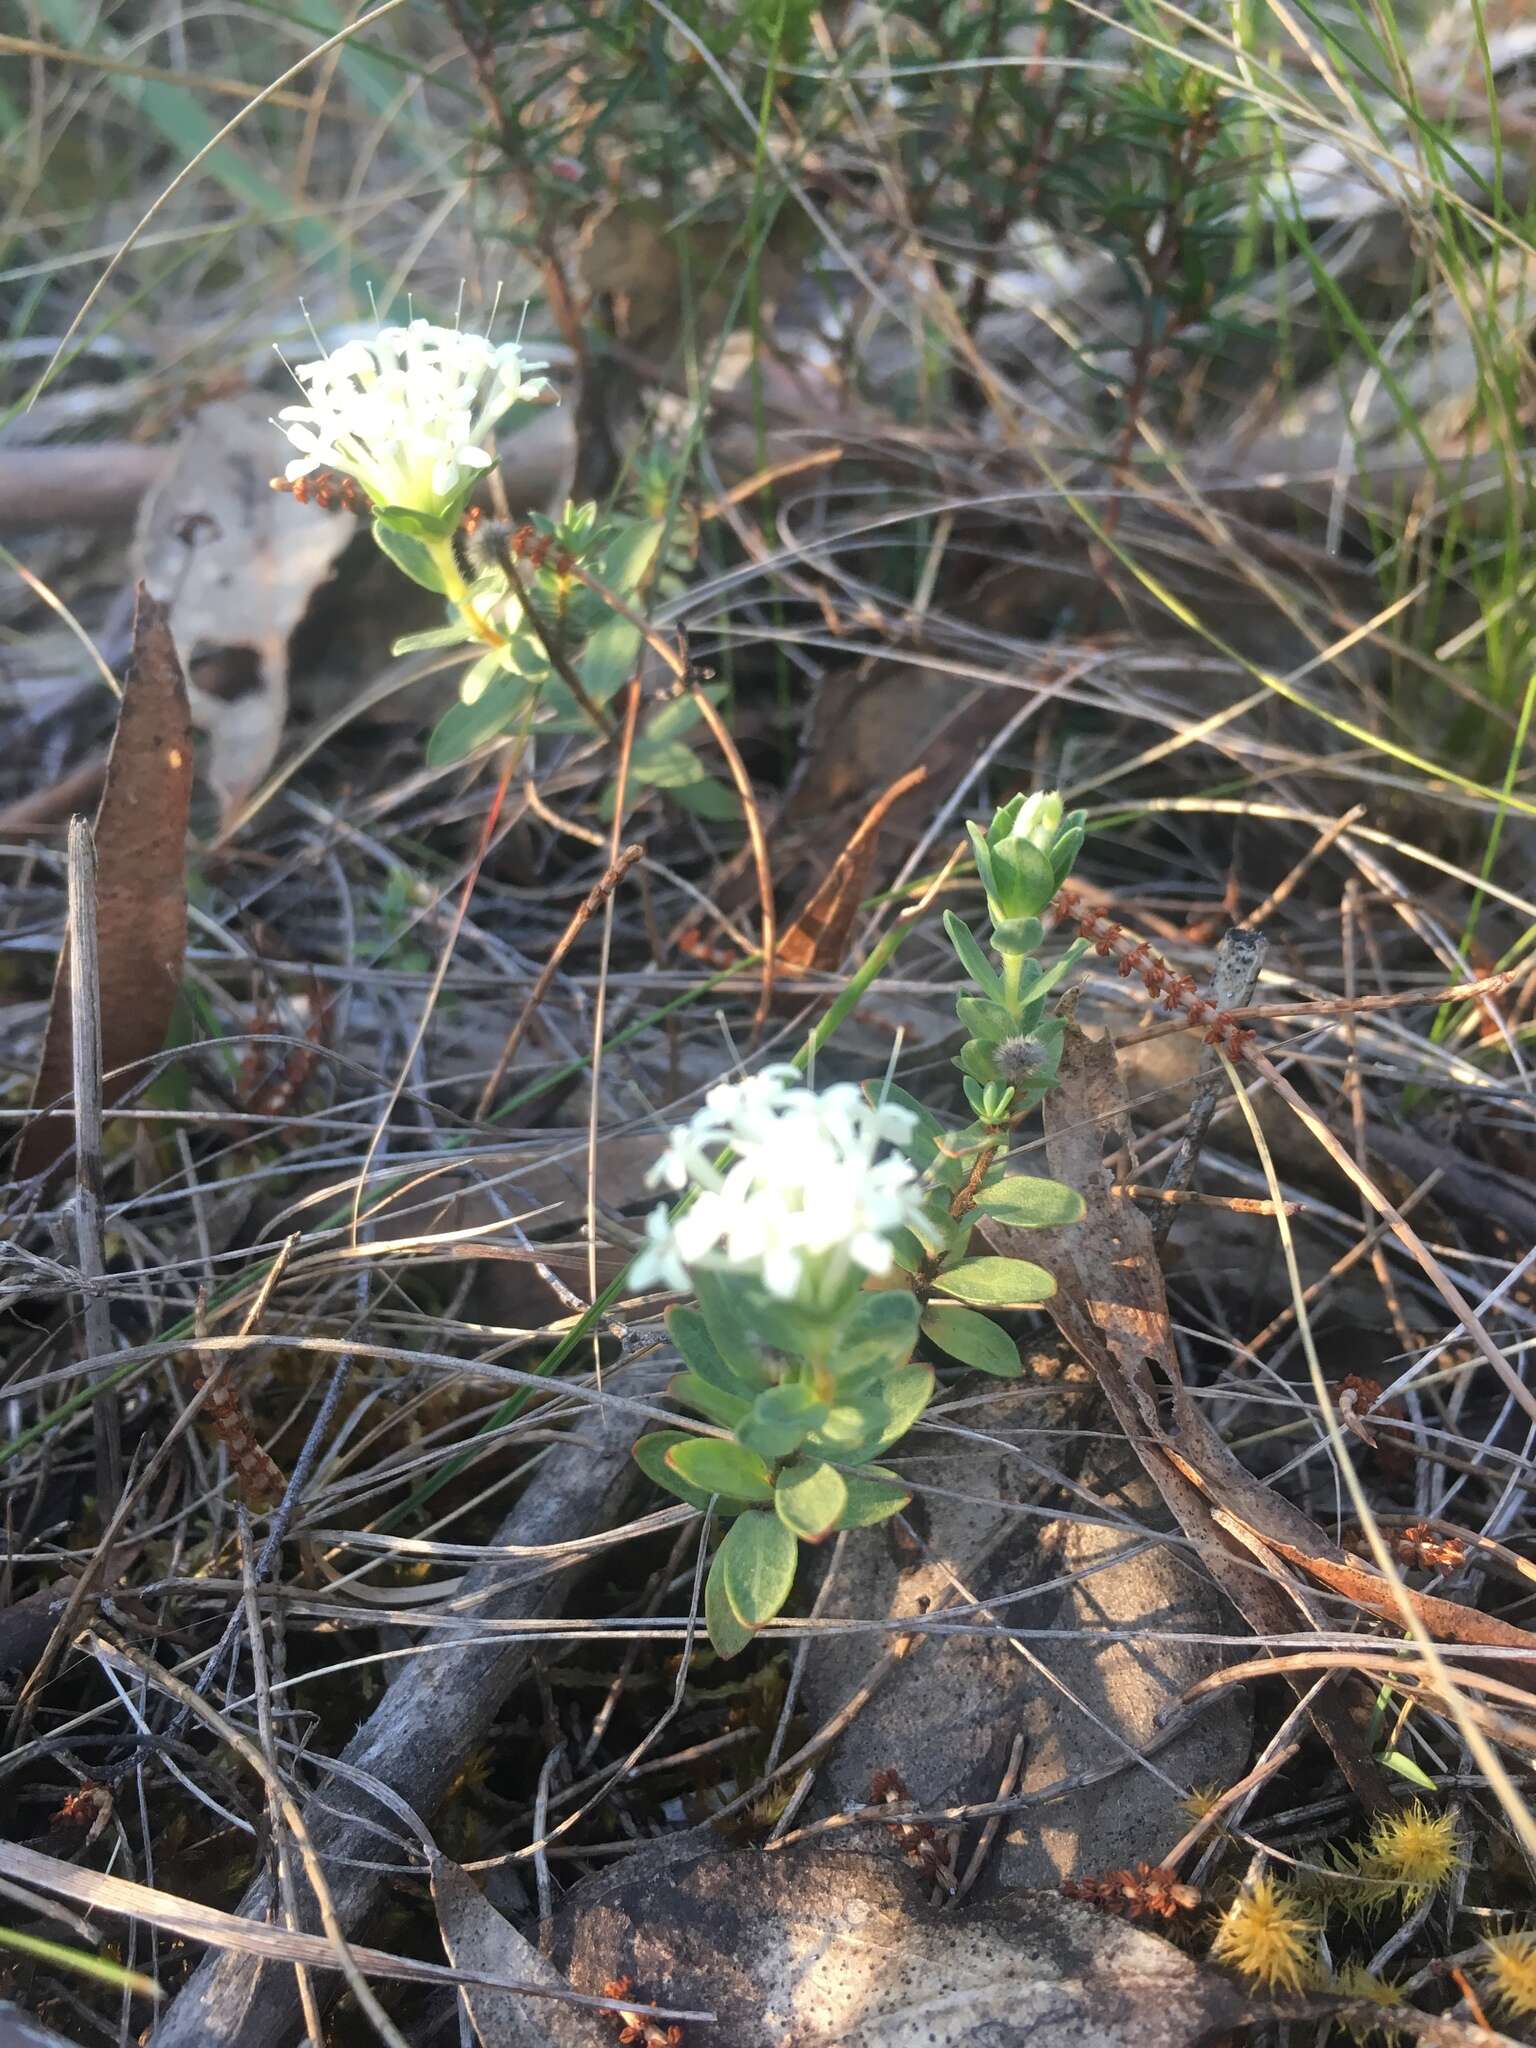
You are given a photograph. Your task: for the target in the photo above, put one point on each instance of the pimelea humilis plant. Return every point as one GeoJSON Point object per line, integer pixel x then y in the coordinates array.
{"type": "Point", "coordinates": [812, 1231]}
{"type": "Point", "coordinates": [404, 426]}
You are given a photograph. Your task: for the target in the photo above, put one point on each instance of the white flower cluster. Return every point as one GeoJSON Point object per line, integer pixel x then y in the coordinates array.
{"type": "Point", "coordinates": [804, 1195]}
{"type": "Point", "coordinates": [410, 413]}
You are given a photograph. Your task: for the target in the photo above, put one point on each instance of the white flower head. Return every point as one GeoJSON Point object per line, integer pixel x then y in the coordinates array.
{"type": "Point", "coordinates": [410, 414]}
{"type": "Point", "coordinates": [804, 1197]}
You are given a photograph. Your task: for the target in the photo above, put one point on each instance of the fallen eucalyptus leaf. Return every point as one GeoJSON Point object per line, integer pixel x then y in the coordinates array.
{"type": "Point", "coordinates": [235, 563]}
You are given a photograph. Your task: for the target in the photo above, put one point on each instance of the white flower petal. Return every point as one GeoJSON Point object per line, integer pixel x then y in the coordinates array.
{"type": "Point", "coordinates": [806, 1192]}
{"type": "Point", "coordinates": [409, 413]}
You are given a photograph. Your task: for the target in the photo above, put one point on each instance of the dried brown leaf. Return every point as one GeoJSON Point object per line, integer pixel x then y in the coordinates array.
{"type": "Point", "coordinates": [141, 898]}
{"type": "Point", "coordinates": [818, 937]}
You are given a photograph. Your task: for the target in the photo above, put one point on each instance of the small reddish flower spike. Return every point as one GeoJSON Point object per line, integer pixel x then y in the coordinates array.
{"type": "Point", "coordinates": [1135, 957]}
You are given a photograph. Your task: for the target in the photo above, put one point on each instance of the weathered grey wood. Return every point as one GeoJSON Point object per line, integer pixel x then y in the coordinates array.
{"type": "Point", "coordinates": [418, 1738]}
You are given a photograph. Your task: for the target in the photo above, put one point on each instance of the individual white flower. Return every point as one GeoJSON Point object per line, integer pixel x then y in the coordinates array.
{"type": "Point", "coordinates": [804, 1197]}
{"type": "Point", "coordinates": [409, 414]}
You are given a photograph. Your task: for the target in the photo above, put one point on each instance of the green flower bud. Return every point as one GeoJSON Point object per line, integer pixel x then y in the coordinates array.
{"type": "Point", "coordinates": [1017, 857]}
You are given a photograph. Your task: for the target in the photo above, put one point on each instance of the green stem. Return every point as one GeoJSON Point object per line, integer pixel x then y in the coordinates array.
{"type": "Point", "coordinates": [446, 562]}
{"type": "Point", "coordinates": [1013, 975]}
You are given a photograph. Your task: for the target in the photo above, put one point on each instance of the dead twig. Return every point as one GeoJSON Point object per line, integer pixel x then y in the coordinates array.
{"type": "Point", "coordinates": [1239, 959]}
{"type": "Point", "coordinates": [596, 897]}
{"type": "Point", "coordinates": [417, 1740]}
{"type": "Point", "coordinates": [85, 1042]}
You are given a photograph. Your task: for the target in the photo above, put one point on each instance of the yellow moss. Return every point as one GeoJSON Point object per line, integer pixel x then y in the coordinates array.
{"type": "Point", "coordinates": [1510, 1967]}
{"type": "Point", "coordinates": [1414, 1851]}
{"type": "Point", "coordinates": [1201, 1800]}
{"type": "Point", "coordinates": [1266, 1935]}
{"type": "Point", "coordinates": [475, 1770]}
{"type": "Point", "coordinates": [1354, 1980]}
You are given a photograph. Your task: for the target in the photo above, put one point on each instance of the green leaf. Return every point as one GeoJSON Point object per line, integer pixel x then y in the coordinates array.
{"type": "Point", "coordinates": [1029, 1204]}
{"type": "Point", "coordinates": [411, 523]}
{"type": "Point", "coordinates": [1019, 936]}
{"type": "Point", "coordinates": [1048, 978]}
{"type": "Point", "coordinates": [874, 1495]}
{"type": "Point", "coordinates": [665, 764]}
{"type": "Point", "coordinates": [694, 1391]}
{"type": "Point", "coordinates": [861, 1428]}
{"type": "Point", "coordinates": [809, 1498]}
{"type": "Point", "coordinates": [745, 1320]}
{"type": "Point", "coordinates": [625, 562]}
{"type": "Point", "coordinates": [1023, 879]}
{"type": "Point", "coordinates": [1068, 845]}
{"type": "Point", "coordinates": [847, 1427]}
{"type": "Point", "coordinates": [465, 727]}
{"type": "Point", "coordinates": [727, 1631]}
{"type": "Point", "coordinates": [934, 1227]}
{"type": "Point", "coordinates": [985, 1020]}
{"type": "Point", "coordinates": [778, 1324]}
{"type": "Point", "coordinates": [975, 1059]}
{"type": "Point", "coordinates": [714, 1466]}
{"type": "Point", "coordinates": [781, 1420]}
{"type": "Point", "coordinates": [609, 657]}
{"type": "Point", "coordinates": [973, 1339]}
{"type": "Point", "coordinates": [997, 1283]}
{"type": "Point", "coordinates": [721, 1301]}
{"type": "Point", "coordinates": [876, 1332]}
{"type": "Point", "coordinates": [709, 798]}
{"type": "Point", "coordinates": [956, 1156]}
{"type": "Point", "coordinates": [1396, 1760]}
{"type": "Point", "coordinates": [758, 1557]}
{"type": "Point", "coordinates": [411, 556]}
{"type": "Point", "coordinates": [669, 721]}
{"type": "Point", "coordinates": [699, 1352]}
{"type": "Point", "coordinates": [907, 1252]}
{"type": "Point", "coordinates": [972, 959]}
{"type": "Point", "coordinates": [526, 653]}
{"type": "Point", "coordinates": [901, 1398]}
{"type": "Point", "coordinates": [983, 854]}
{"type": "Point", "coordinates": [650, 1454]}
{"type": "Point", "coordinates": [455, 635]}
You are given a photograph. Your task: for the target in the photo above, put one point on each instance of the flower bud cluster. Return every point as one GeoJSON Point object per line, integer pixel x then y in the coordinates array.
{"type": "Point", "coordinates": [804, 1199]}
{"type": "Point", "coordinates": [410, 414]}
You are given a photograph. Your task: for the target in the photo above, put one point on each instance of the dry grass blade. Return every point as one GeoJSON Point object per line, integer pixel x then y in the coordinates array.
{"type": "Point", "coordinates": [102, 1893]}
{"type": "Point", "coordinates": [429, 1723]}
{"type": "Point", "coordinates": [596, 897]}
{"type": "Point", "coordinates": [768, 941]}
{"type": "Point", "coordinates": [1111, 1307]}
{"type": "Point", "coordinates": [817, 937]}
{"type": "Point", "coordinates": [475, 1934]}
{"type": "Point", "coordinates": [85, 1058]}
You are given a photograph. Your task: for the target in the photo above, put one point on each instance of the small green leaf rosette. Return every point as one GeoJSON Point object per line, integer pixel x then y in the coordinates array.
{"type": "Point", "coordinates": [810, 1401]}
